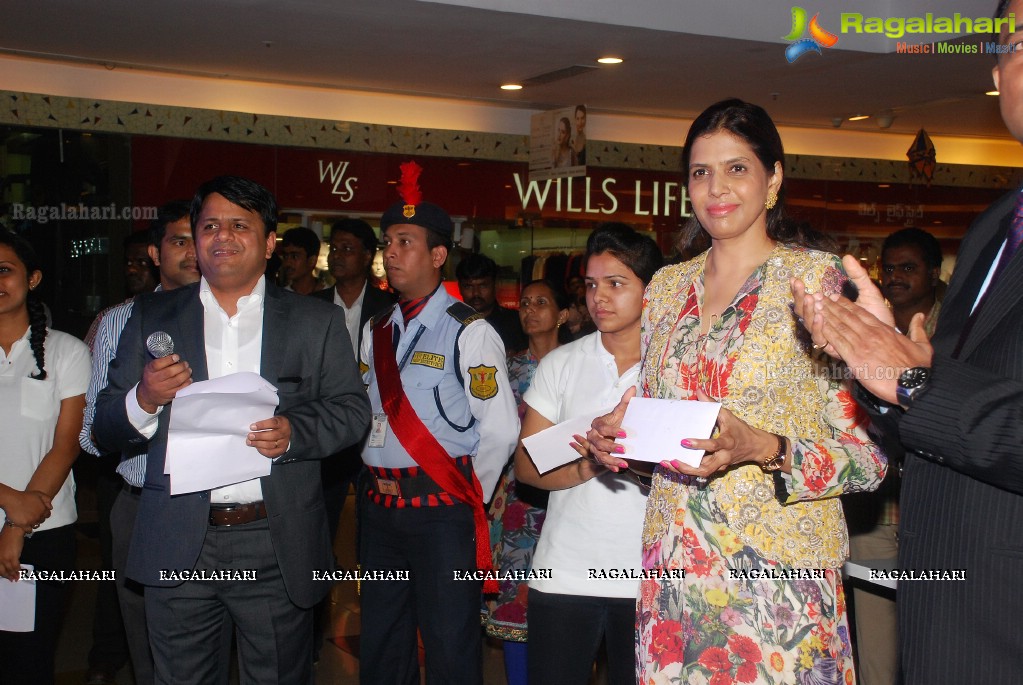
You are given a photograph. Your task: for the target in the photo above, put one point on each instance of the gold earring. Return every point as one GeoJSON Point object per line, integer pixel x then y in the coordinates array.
{"type": "Point", "coordinates": [772, 200]}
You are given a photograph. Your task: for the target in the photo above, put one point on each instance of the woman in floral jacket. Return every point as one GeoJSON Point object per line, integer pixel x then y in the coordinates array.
{"type": "Point", "coordinates": [757, 527]}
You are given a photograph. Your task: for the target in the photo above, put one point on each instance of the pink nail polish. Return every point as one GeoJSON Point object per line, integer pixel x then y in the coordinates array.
{"type": "Point", "coordinates": [619, 449]}
{"type": "Point", "coordinates": [621, 434]}
{"type": "Point", "coordinates": [687, 444]}
{"type": "Point", "coordinates": [623, 464]}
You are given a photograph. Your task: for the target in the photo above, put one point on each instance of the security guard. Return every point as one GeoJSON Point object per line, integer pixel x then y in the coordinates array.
{"type": "Point", "coordinates": [444, 423]}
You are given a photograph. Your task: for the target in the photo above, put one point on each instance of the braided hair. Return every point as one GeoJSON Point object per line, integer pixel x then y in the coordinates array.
{"type": "Point", "coordinates": [36, 312]}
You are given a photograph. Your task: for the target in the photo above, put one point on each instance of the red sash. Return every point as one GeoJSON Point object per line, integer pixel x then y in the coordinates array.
{"type": "Point", "coordinates": [424, 448]}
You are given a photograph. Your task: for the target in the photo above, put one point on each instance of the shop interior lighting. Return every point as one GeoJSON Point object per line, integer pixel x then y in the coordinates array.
{"type": "Point", "coordinates": [511, 86]}
{"type": "Point", "coordinates": [610, 60]}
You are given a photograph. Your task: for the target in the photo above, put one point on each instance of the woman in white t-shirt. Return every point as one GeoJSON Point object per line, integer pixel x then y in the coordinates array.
{"type": "Point", "coordinates": [43, 378]}
{"type": "Point", "coordinates": [587, 563]}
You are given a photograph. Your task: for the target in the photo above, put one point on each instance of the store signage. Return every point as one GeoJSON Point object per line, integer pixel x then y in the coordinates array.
{"type": "Point", "coordinates": [893, 213]}
{"type": "Point", "coordinates": [333, 175]}
{"type": "Point", "coordinates": [587, 195]}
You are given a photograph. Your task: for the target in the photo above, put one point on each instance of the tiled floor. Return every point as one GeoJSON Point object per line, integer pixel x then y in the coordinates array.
{"type": "Point", "coordinates": [337, 666]}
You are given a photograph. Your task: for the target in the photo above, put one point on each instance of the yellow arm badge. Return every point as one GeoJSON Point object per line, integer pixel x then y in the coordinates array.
{"type": "Point", "coordinates": [363, 368]}
{"type": "Point", "coordinates": [483, 382]}
{"type": "Point", "coordinates": [434, 361]}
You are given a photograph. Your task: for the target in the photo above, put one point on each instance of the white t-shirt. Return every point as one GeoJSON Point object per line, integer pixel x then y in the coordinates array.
{"type": "Point", "coordinates": [29, 409]}
{"type": "Point", "coordinates": [592, 534]}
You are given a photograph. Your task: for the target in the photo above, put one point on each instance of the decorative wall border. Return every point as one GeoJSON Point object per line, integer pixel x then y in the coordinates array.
{"type": "Point", "coordinates": [84, 114]}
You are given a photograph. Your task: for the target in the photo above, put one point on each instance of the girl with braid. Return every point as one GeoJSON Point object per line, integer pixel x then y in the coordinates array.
{"type": "Point", "coordinates": [43, 378]}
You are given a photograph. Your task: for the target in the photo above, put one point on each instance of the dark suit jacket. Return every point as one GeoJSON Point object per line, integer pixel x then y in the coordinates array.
{"type": "Point", "coordinates": [320, 392]}
{"type": "Point", "coordinates": [345, 465]}
{"type": "Point", "coordinates": [962, 490]}
{"type": "Point", "coordinates": [375, 300]}
{"type": "Point", "coordinates": [506, 323]}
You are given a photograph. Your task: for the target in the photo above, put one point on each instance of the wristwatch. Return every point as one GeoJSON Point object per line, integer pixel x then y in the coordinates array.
{"type": "Point", "coordinates": [911, 385]}
{"type": "Point", "coordinates": [775, 461]}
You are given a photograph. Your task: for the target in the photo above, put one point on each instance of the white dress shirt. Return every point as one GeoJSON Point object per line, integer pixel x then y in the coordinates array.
{"type": "Point", "coordinates": [352, 316]}
{"type": "Point", "coordinates": [233, 344]}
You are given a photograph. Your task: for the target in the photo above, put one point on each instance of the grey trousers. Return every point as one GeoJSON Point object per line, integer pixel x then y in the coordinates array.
{"type": "Point", "coordinates": [129, 593]}
{"type": "Point", "coordinates": [186, 622]}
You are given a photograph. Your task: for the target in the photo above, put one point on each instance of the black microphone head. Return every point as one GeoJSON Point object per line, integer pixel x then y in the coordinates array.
{"type": "Point", "coordinates": [160, 344]}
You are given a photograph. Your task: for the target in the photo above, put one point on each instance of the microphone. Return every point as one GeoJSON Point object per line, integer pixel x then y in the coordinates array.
{"type": "Point", "coordinates": [160, 344]}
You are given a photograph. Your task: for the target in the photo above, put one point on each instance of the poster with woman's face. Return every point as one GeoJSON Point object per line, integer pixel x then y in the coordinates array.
{"type": "Point", "coordinates": [558, 143]}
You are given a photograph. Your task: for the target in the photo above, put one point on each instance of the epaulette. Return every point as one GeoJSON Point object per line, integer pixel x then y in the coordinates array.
{"type": "Point", "coordinates": [463, 313]}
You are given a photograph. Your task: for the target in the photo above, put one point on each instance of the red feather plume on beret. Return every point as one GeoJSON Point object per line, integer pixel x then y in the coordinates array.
{"type": "Point", "coordinates": [408, 187]}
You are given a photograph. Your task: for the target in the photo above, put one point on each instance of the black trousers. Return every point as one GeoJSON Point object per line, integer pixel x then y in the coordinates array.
{"type": "Point", "coordinates": [27, 658]}
{"type": "Point", "coordinates": [565, 633]}
{"type": "Point", "coordinates": [431, 544]}
{"type": "Point", "coordinates": [109, 640]}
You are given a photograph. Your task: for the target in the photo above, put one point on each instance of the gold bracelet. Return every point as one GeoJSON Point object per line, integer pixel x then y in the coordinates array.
{"type": "Point", "coordinates": [776, 460]}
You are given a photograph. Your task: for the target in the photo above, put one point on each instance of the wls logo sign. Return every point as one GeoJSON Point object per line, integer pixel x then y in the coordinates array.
{"type": "Point", "coordinates": [819, 38]}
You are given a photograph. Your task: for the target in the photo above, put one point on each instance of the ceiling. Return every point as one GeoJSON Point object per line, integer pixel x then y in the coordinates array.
{"type": "Point", "coordinates": [680, 55]}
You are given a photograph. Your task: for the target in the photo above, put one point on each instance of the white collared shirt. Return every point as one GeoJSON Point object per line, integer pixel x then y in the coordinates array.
{"type": "Point", "coordinates": [987, 279]}
{"type": "Point", "coordinates": [30, 407]}
{"type": "Point", "coordinates": [233, 344]}
{"type": "Point", "coordinates": [352, 315]}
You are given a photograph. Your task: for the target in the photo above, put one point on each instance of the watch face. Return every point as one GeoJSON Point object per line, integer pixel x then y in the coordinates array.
{"type": "Point", "coordinates": [914, 378]}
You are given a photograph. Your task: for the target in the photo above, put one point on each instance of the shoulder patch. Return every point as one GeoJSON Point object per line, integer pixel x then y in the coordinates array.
{"type": "Point", "coordinates": [463, 313]}
{"type": "Point", "coordinates": [483, 382]}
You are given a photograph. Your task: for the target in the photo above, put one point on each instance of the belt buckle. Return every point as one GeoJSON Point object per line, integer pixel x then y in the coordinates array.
{"type": "Point", "coordinates": [388, 487]}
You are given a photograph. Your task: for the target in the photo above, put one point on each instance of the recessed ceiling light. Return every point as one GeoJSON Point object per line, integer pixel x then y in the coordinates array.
{"type": "Point", "coordinates": [511, 86]}
{"type": "Point", "coordinates": [884, 185]}
{"type": "Point", "coordinates": [610, 60]}
{"type": "Point", "coordinates": [991, 92]}
{"type": "Point", "coordinates": [859, 117]}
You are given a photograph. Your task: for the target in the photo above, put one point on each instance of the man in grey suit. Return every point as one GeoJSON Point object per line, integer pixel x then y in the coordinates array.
{"type": "Point", "coordinates": [267, 536]}
{"type": "Point", "coordinates": [956, 404]}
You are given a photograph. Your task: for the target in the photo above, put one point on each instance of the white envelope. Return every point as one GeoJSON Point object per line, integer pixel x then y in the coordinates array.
{"type": "Point", "coordinates": [655, 429]}
{"type": "Point", "coordinates": [19, 604]}
{"type": "Point", "coordinates": [550, 448]}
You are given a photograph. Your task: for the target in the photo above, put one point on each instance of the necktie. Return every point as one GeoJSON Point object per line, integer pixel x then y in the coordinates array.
{"type": "Point", "coordinates": [1013, 240]}
{"type": "Point", "coordinates": [410, 308]}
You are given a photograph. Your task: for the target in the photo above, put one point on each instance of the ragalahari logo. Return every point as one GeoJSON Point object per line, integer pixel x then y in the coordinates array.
{"type": "Point", "coordinates": [819, 38]}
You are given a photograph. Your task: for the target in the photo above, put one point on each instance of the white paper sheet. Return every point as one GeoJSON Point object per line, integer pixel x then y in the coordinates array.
{"type": "Point", "coordinates": [209, 424]}
{"type": "Point", "coordinates": [19, 604]}
{"type": "Point", "coordinates": [655, 429]}
{"type": "Point", "coordinates": [550, 449]}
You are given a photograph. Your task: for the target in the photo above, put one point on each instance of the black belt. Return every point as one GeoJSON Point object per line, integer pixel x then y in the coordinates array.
{"type": "Point", "coordinates": [237, 514]}
{"type": "Point", "coordinates": [131, 489]}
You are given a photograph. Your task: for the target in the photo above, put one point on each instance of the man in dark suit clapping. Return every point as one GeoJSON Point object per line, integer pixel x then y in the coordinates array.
{"type": "Point", "coordinates": [956, 403]}
{"type": "Point", "coordinates": [275, 527]}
